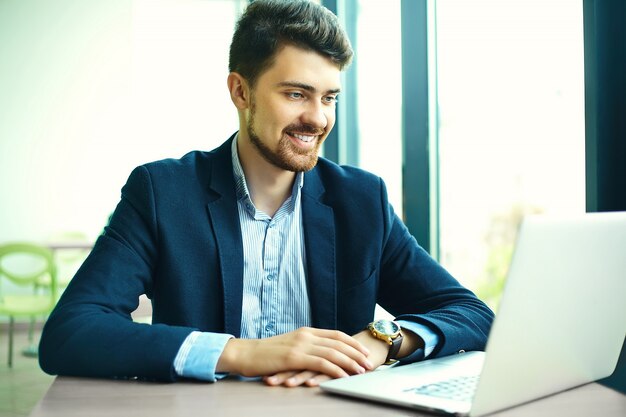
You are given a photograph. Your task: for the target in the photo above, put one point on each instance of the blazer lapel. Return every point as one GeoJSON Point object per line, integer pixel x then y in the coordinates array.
{"type": "Point", "coordinates": [224, 218]}
{"type": "Point", "coordinates": [319, 240]}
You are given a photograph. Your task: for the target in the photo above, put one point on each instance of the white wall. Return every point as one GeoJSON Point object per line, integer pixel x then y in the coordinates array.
{"type": "Point", "coordinates": [91, 88]}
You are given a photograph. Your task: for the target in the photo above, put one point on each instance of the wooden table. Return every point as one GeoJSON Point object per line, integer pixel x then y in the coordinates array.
{"type": "Point", "coordinates": [71, 245]}
{"type": "Point", "coordinates": [68, 397]}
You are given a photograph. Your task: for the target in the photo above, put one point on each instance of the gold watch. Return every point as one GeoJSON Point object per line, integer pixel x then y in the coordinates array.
{"type": "Point", "coordinates": [391, 333]}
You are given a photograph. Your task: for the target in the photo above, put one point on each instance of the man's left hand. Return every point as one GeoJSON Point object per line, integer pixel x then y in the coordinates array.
{"type": "Point", "coordinates": [378, 353]}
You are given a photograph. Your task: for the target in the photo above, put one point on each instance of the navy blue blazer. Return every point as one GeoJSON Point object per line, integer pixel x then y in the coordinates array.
{"type": "Point", "coordinates": [175, 236]}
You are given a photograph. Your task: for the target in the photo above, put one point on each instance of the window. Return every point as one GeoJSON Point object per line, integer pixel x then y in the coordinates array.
{"type": "Point", "coordinates": [511, 127]}
{"type": "Point", "coordinates": [379, 84]}
{"type": "Point", "coordinates": [91, 89]}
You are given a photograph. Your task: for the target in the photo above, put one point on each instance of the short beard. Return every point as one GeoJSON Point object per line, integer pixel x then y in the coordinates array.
{"type": "Point", "coordinates": [287, 157]}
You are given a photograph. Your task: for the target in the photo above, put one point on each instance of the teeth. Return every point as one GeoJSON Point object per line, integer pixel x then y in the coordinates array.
{"type": "Point", "coordinates": [304, 138]}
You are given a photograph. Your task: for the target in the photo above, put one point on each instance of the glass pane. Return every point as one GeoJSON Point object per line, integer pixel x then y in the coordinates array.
{"type": "Point", "coordinates": [378, 51]}
{"type": "Point", "coordinates": [511, 134]}
{"type": "Point", "coordinates": [90, 89]}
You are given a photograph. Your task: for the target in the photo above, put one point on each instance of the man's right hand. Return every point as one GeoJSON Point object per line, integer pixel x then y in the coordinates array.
{"type": "Point", "coordinates": [329, 352]}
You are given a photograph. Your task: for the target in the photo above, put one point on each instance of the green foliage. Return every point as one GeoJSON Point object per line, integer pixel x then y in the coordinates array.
{"type": "Point", "coordinates": [491, 286]}
{"type": "Point", "coordinates": [500, 239]}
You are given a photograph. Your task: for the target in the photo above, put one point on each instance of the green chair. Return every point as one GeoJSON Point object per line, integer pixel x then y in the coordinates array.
{"type": "Point", "coordinates": [70, 249]}
{"type": "Point", "coordinates": [23, 265]}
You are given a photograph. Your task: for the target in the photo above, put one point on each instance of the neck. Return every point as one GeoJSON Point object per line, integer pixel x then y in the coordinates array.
{"type": "Point", "coordinates": [269, 186]}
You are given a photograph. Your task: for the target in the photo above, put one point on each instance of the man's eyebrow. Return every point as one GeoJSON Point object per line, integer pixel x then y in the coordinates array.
{"type": "Point", "coordinates": [305, 87]}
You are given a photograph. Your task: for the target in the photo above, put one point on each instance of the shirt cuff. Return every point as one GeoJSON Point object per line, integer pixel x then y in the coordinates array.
{"type": "Point", "coordinates": [430, 338]}
{"type": "Point", "coordinates": [198, 355]}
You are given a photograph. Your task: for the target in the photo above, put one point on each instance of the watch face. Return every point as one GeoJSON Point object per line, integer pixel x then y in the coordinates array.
{"type": "Point", "coordinates": [386, 327]}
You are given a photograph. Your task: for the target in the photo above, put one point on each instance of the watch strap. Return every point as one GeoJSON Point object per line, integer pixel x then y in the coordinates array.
{"type": "Point", "coordinates": [394, 349]}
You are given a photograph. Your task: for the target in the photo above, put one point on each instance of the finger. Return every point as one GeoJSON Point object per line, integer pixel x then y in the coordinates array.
{"type": "Point", "coordinates": [318, 359]}
{"type": "Point", "coordinates": [319, 364]}
{"type": "Point", "coordinates": [342, 337]}
{"type": "Point", "coordinates": [324, 360]}
{"type": "Point", "coordinates": [279, 378]}
{"type": "Point", "coordinates": [316, 380]}
{"type": "Point", "coordinates": [348, 352]}
{"type": "Point", "coordinates": [295, 378]}
{"type": "Point", "coordinates": [299, 378]}
{"type": "Point", "coordinates": [338, 358]}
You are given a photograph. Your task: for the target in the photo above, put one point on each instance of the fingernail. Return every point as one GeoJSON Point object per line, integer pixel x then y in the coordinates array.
{"type": "Point", "coordinates": [271, 379]}
{"type": "Point", "coordinates": [291, 381]}
{"type": "Point", "coordinates": [360, 370]}
{"type": "Point", "coordinates": [368, 364]}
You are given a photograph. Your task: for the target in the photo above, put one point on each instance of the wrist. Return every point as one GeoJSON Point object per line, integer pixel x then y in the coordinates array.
{"type": "Point", "coordinates": [390, 333]}
{"type": "Point", "coordinates": [410, 344]}
{"type": "Point", "coordinates": [378, 349]}
{"type": "Point", "coordinates": [228, 361]}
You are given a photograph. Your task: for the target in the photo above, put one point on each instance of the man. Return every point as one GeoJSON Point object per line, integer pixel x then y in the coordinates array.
{"type": "Point", "coordinates": [259, 259]}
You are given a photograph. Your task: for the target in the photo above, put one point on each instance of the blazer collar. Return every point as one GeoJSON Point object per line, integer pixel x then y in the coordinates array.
{"type": "Point", "coordinates": [224, 218]}
{"type": "Point", "coordinates": [319, 240]}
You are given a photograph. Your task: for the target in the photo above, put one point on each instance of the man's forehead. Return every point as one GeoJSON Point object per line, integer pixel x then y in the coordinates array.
{"type": "Point", "coordinates": [307, 69]}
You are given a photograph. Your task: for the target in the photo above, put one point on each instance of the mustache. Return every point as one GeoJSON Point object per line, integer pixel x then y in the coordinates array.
{"type": "Point", "coordinates": [304, 128]}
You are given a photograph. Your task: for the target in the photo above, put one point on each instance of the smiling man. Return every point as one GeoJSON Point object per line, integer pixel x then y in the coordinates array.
{"type": "Point", "coordinates": [260, 258]}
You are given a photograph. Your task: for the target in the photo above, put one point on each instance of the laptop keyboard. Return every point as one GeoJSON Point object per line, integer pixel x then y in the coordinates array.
{"type": "Point", "coordinates": [459, 388]}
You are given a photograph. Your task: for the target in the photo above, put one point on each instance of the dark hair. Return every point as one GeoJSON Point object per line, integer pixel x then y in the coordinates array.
{"type": "Point", "coordinates": [267, 25]}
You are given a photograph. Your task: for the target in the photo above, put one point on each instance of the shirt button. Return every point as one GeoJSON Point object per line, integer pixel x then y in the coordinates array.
{"type": "Point", "coordinates": [269, 327]}
{"type": "Point", "coordinates": [271, 277]}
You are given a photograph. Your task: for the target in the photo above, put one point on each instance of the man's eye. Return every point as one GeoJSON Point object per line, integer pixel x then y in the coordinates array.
{"type": "Point", "coordinates": [331, 99]}
{"type": "Point", "coordinates": [295, 95]}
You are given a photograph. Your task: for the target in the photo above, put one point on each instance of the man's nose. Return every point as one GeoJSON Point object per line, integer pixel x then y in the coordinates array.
{"type": "Point", "coordinates": [315, 116]}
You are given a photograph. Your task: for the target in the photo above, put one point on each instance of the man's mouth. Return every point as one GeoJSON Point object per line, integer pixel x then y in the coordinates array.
{"type": "Point", "coordinates": [302, 137]}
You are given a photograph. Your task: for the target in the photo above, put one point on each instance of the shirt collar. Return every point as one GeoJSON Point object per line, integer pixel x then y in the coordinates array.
{"type": "Point", "coordinates": [242, 186]}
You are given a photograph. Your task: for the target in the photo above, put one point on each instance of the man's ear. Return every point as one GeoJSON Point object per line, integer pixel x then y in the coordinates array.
{"type": "Point", "coordinates": [239, 90]}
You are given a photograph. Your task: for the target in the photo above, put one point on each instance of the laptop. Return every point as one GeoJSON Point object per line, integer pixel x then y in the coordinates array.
{"type": "Point", "coordinates": [561, 323]}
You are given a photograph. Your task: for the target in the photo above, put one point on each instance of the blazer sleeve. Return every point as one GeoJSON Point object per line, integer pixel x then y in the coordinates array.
{"type": "Point", "coordinates": [414, 287]}
{"type": "Point", "coordinates": [90, 332]}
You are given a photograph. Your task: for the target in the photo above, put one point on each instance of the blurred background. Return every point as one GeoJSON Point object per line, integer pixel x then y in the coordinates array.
{"type": "Point", "coordinates": [91, 89]}
{"type": "Point", "coordinates": [475, 113]}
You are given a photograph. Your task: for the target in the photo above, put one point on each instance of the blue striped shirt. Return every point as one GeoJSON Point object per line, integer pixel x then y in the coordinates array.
{"type": "Point", "coordinates": [275, 297]}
